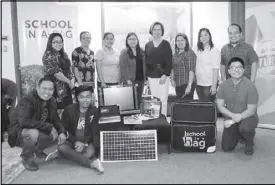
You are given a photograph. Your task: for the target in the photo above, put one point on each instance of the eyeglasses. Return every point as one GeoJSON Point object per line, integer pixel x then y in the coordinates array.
{"type": "Point", "coordinates": [57, 42]}
{"type": "Point", "coordinates": [236, 68]}
{"type": "Point", "coordinates": [180, 40]}
{"type": "Point", "coordinates": [235, 33]}
{"type": "Point", "coordinates": [133, 39]}
{"type": "Point", "coordinates": [86, 38]}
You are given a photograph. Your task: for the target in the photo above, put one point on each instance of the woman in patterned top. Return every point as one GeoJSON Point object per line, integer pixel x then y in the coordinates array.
{"type": "Point", "coordinates": [183, 68]}
{"type": "Point", "coordinates": [83, 60]}
{"type": "Point", "coordinates": [57, 64]}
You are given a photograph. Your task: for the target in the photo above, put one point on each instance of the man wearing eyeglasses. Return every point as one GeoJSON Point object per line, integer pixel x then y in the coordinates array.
{"type": "Point", "coordinates": [237, 100]}
{"type": "Point", "coordinates": [238, 48]}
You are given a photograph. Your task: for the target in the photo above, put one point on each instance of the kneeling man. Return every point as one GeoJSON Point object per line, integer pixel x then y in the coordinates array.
{"type": "Point", "coordinates": [237, 100]}
{"type": "Point", "coordinates": [35, 123]}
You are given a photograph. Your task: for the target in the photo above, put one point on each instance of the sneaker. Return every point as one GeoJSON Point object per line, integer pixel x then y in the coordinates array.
{"type": "Point", "coordinates": [52, 155]}
{"type": "Point", "coordinates": [248, 150]}
{"type": "Point", "coordinates": [30, 165]}
{"type": "Point", "coordinates": [40, 154]}
{"type": "Point", "coordinates": [97, 165]}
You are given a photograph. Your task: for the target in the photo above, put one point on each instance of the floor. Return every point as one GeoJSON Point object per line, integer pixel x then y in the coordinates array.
{"type": "Point", "coordinates": [218, 167]}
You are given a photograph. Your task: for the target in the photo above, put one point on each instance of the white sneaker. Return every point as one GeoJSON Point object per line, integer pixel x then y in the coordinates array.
{"type": "Point", "coordinates": [97, 165]}
{"type": "Point", "coordinates": [52, 155]}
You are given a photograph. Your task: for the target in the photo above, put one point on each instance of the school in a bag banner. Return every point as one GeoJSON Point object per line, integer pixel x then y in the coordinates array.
{"type": "Point", "coordinates": [36, 21]}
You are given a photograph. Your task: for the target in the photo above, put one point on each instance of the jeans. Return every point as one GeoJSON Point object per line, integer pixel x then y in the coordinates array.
{"type": "Point", "coordinates": [140, 88]}
{"type": "Point", "coordinates": [31, 141]}
{"type": "Point", "coordinates": [180, 91]}
{"type": "Point", "coordinates": [245, 129]}
{"type": "Point", "coordinates": [204, 93]}
{"type": "Point", "coordinates": [67, 150]}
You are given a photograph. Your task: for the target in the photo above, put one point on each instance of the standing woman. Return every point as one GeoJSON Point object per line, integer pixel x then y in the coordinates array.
{"type": "Point", "coordinates": [207, 66]}
{"type": "Point", "coordinates": [158, 59]}
{"type": "Point", "coordinates": [107, 62]}
{"type": "Point", "coordinates": [57, 64]}
{"type": "Point", "coordinates": [183, 68]}
{"type": "Point", "coordinates": [131, 62]}
{"type": "Point", "coordinates": [83, 60]}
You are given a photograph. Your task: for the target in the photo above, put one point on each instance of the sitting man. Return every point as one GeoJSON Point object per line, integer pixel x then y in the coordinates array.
{"type": "Point", "coordinates": [35, 123]}
{"type": "Point", "coordinates": [80, 120]}
{"type": "Point", "coordinates": [237, 100]}
{"type": "Point", "coordinates": [8, 99]}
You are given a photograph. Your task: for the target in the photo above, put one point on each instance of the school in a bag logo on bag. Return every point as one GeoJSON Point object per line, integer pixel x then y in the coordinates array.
{"type": "Point", "coordinates": [194, 139]}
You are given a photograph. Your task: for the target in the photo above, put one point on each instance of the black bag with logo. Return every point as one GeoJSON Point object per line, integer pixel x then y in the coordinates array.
{"type": "Point", "coordinates": [193, 126]}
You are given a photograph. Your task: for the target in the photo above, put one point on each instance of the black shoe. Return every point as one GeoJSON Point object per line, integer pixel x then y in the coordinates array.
{"type": "Point", "coordinates": [242, 141]}
{"type": "Point", "coordinates": [40, 154]}
{"type": "Point", "coordinates": [249, 150]}
{"type": "Point", "coordinates": [30, 165]}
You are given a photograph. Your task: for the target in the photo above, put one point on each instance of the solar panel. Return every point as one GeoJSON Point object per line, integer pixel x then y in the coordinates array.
{"type": "Point", "coordinates": [138, 145]}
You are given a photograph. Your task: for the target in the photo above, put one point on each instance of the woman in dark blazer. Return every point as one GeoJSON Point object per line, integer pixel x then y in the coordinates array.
{"type": "Point", "coordinates": [80, 120]}
{"type": "Point", "coordinates": [132, 64]}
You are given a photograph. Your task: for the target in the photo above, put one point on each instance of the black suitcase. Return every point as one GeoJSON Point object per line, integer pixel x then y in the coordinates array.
{"type": "Point", "coordinates": [193, 126]}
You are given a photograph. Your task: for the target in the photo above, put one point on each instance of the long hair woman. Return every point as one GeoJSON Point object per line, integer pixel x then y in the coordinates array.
{"type": "Point", "coordinates": [58, 65]}
{"type": "Point", "coordinates": [131, 62]}
{"type": "Point", "coordinates": [207, 66]}
{"type": "Point", "coordinates": [183, 68]}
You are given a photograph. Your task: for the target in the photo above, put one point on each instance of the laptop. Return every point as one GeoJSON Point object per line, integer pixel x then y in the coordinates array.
{"type": "Point", "coordinates": [109, 114]}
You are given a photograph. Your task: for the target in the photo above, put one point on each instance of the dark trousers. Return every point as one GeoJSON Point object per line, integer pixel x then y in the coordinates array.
{"type": "Point", "coordinates": [31, 141]}
{"type": "Point", "coordinates": [204, 93]}
{"type": "Point", "coordinates": [5, 122]}
{"type": "Point", "coordinates": [140, 88]}
{"type": "Point", "coordinates": [84, 158]}
{"type": "Point", "coordinates": [5, 111]}
{"type": "Point", "coordinates": [245, 129]}
{"type": "Point", "coordinates": [180, 91]}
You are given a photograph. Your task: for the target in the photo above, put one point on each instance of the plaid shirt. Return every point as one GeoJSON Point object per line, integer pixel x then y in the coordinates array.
{"type": "Point", "coordinates": [181, 65]}
{"type": "Point", "coordinates": [242, 50]}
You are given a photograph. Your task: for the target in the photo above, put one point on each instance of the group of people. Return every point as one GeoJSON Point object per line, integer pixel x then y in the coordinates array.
{"type": "Point", "coordinates": [35, 122]}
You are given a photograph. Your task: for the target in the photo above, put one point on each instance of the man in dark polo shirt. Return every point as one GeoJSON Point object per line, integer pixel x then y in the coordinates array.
{"type": "Point", "coordinates": [238, 48]}
{"type": "Point", "coordinates": [237, 100]}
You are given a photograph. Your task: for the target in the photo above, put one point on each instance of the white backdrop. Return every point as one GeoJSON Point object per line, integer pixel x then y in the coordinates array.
{"type": "Point", "coordinates": [36, 21]}
{"type": "Point", "coordinates": [260, 32]}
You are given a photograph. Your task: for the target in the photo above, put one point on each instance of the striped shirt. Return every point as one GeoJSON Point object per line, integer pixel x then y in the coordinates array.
{"type": "Point", "coordinates": [182, 63]}
{"type": "Point", "coordinates": [243, 51]}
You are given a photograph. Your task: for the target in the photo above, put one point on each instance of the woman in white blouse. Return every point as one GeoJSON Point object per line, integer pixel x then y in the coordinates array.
{"type": "Point", "coordinates": [207, 66]}
{"type": "Point", "coordinates": [107, 62]}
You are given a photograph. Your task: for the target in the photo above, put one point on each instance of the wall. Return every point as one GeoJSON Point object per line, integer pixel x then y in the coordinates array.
{"type": "Point", "coordinates": [87, 16]}
{"type": "Point", "coordinates": [260, 26]}
{"type": "Point", "coordinates": [71, 19]}
{"type": "Point", "coordinates": [89, 19]}
{"type": "Point", "coordinates": [213, 16]}
{"type": "Point", "coordinates": [7, 58]}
